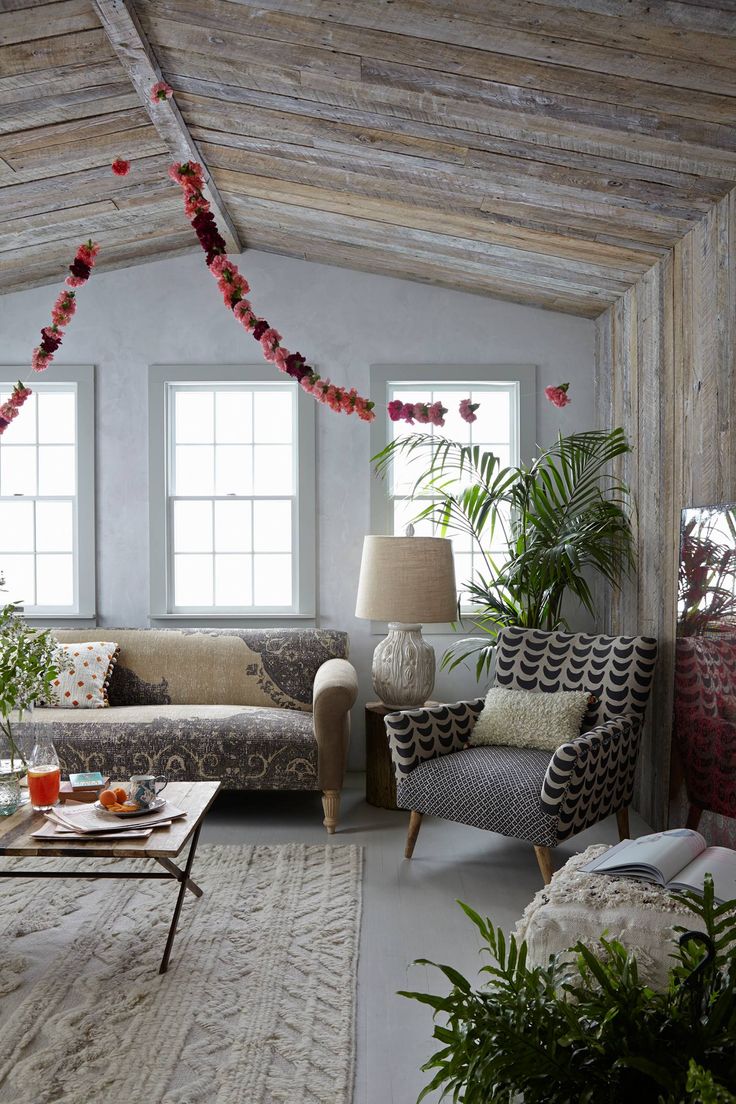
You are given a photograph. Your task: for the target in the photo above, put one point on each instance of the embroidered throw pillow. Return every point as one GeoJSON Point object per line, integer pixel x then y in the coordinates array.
{"type": "Point", "coordinates": [530, 718]}
{"type": "Point", "coordinates": [84, 675]}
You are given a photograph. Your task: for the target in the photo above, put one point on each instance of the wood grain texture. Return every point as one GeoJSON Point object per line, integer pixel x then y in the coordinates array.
{"type": "Point", "coordinates": [195, 797]}
{"type": "Point", "coordinates": [665, 374]}
{"type": "Point", "coordinates": [550, 154]}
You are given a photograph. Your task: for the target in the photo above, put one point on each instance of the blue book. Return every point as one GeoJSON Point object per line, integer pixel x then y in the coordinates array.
{"type": "Point", "coordinates": [88, 780]}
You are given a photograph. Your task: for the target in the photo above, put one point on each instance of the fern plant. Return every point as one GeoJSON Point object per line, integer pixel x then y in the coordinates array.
{"type": "Point", "coordinates": [558, 521]}
{"type": "Point", "coordinates": [586, 1028]}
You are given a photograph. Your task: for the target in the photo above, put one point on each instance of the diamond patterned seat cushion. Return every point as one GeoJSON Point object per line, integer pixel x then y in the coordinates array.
{"type": "Point", "coordinates": [247, 747]}
{"type": "Point", "coordinates": [496, 788]}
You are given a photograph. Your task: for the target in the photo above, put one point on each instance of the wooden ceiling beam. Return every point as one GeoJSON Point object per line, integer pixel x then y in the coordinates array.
{"type": "Point", "coordinates": [123, 29]}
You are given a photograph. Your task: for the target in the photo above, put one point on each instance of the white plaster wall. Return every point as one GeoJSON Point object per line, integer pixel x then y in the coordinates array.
{"type": "Point", "coordinates": [344, 321]}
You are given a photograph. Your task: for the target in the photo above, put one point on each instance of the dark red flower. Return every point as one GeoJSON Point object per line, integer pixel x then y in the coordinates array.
{"type": "Point", "coordinates": [260, 328]}
{"type": "Point", "coordinates": [80, 268]}
{"type": "Point", "coordinates": [120, 167]}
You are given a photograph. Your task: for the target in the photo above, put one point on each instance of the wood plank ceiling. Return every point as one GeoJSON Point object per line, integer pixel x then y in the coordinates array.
{"type": "Point", "coordinates": [545, 151]}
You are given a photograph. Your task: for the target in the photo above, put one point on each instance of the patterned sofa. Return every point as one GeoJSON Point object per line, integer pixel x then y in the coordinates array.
{"type": "Point", "coordinates": [258, 709]}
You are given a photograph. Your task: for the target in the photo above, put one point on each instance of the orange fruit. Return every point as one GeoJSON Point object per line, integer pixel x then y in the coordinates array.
{"type": "Point", "coordinates": [120, 794]}
{"type": "Point", "coordinates": [108, 798]}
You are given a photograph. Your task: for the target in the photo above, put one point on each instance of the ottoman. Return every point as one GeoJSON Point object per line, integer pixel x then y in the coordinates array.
{"type": "Point", "coordinates": [581, 907]}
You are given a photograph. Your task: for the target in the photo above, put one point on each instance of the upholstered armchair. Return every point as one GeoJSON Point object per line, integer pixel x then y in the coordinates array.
{"type": "Point", "coordinates": [523, 792]}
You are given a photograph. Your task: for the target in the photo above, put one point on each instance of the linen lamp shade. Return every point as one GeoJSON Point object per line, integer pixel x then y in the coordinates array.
{"type": "Point", "coordinates": [407, 579]}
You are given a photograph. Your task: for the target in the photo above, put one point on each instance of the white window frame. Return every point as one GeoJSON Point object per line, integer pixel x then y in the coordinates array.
{"type": "Point", "coordinates": [163, 378]}
{"type": "Point", "coordinates": [81, 377]}
{"type": "Point", "coordinates": [522, 378]}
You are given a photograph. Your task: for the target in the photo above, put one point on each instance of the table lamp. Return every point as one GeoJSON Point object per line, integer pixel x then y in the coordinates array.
{"type": "Point", "coordinates": [408, 581]}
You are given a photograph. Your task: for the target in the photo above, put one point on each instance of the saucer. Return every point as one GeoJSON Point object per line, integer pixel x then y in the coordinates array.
{"type": "Point", "coordinates": [152, 808]}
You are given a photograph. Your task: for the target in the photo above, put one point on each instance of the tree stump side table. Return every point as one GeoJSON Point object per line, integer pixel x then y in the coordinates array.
{"type": "Point", "coordinates": [380, 782]}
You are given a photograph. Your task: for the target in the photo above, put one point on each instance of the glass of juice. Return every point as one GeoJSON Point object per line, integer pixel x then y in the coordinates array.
{"type": "Point", "coordinates": [44, 776]}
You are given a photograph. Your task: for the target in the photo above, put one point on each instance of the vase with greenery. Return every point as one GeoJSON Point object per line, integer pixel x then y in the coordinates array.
{"type": "Point", "coordinates": [28, 667]}
{"type": "Point", "coordinates": [555, 523]}
{"type": "Point", "coordinates": [586, 1028]}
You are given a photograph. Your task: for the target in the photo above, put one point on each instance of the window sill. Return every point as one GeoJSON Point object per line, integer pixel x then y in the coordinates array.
{"type": "Point", "coordinates": [255, 621]}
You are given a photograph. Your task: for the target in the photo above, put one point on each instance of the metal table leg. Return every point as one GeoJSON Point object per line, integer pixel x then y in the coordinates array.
{"type": "Point", "coordinates": [184, 882]}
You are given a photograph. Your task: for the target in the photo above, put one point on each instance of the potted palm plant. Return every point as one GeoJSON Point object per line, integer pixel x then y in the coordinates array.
{"type": "Point", "coordinates": [559, 522]}
{"type": "Point", "coordinates": [28, 667]}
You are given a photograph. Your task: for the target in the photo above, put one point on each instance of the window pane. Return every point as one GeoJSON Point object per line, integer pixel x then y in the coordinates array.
{"type": "Point", "coordinates": [18, 469]}
{"type": "Point", "coordinates": [23, 431]}
{"type": "Point", "coordinates": [404, 513]}
{"type": "Point", "coordinates": [233, 527]}
{"type": "Point", "coordinates": [54, 580]}
{"type": "Point", "coordinates": [502, 452]}
{"type": "Point", "coordinates": [234, 474]}
{"type": "Point", "coordinates": [16, 527]}
{"type": "Point", "coordinates": [194, 470]}
{"type": "Point", "coordinates": [193, 580]}
{"type": "Point", "coordinates": [56, 417]}
{"type": "Point", "coordinates": [406, 468]}
{"type": "Point", "coordinates": [234, 417]}
{"type": "Point", "coordinates": [57, 470]}
{"type": "Point", "coordinates": [193, 526]}
{"type": "Point", "coordinates": [194, 417]}
{"type": "Point", "coordinates": [19, 585]}
{"type": "Point", "coordinates": [54, 526]}
{"type": "Point", "coordinates": [272, 470]}
{"type": "Point", "coordinates": [493, 415]}
{"type": "Point", "coordinates": [272, 580]}
{"type": "Point", "coordinates": [272, 526]}
{"type": "Point", "coordinates": [273, 416]}
{"type": "Point", "coordinates": [233, 586]}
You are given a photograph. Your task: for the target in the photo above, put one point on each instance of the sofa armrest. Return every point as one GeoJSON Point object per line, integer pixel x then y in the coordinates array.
{"type": "Point", "coordinates": [592, 776]}
{"type": "Point", "coordinates": [418, 734]}
{"type": "Point", "coordinates": [334, 693]}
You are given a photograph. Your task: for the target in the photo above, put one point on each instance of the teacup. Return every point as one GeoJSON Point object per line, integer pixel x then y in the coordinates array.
{"type": "Point", "coordinates": [145, 788]}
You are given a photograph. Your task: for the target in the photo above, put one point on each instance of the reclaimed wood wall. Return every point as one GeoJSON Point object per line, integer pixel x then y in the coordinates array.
{"type": "Point", "coordinates": [665, 355]}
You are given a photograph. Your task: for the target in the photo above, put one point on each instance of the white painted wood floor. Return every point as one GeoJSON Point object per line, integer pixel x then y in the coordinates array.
{"type": "Point", "coordinates": [409, 910]}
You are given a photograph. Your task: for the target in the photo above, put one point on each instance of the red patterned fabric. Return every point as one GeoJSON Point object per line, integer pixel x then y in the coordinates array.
{"type": "Point", "coordinates": [705, 720]}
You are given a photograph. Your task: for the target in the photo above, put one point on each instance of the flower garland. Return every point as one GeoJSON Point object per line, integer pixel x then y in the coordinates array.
{"type": "Point", "coordinates": [62, 313]}
{"type": "Point", "coordinates": [234, 287]}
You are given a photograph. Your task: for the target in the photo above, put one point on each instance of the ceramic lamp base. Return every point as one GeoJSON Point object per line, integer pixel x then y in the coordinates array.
{"type": "Point", "coordinates": [403, 667]}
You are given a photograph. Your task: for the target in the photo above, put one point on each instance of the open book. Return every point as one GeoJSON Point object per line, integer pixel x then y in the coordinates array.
{"type": "Point", "coordinates": [678, 859]}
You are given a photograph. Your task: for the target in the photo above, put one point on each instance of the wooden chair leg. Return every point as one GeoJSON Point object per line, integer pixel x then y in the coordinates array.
{"type": "Point", "coordinates": [331, 807]}
{"type": "Point", "coordinates": [415, 823]}
{"type": "Point", "coordinates": [544, 858]}
{"type": "Point", "coordinates": [622, 819]}
{"type": "Point", "coordinates": [694, 814]}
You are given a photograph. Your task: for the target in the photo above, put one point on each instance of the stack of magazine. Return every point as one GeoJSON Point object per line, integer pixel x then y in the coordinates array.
{"type": "Point", "coordinates": [678, 859]}
{"type": "Point", "coordinates": [86, 822]}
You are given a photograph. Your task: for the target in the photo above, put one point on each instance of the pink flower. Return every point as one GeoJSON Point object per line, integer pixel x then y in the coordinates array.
{"type": "Point", "coordinates": [307, 383]}
{"type": "Point", "coordinates": [75, 281]}
{"type": "Point", "coordinates": [437, 414]}
{"type": "Point", "coordinates": [269, 342]}
{"type": "Point", "coordinates": [421, 413]}
{"type": "Point", "coordinates": [558, 395]}
{"type": "Point", "coordinates": [20, 394]}
{"type": "Point", "coordinates": [188, 174]}
{"type": "Point", "coordinates": [8, 411]}
{"type": "Point", "coordinates": [280, 357]}
{"type": "Point", "coordinates": [467, 410]}
{"type": "Point", "coordinates": [40, 360]}
{"type": "Point", "coordinates": [394, 410]}
{"type": "Point", "coordinates": [120, 166]}
{"type": "Point", "coordinates": [221, 265]}
{"type": "Point", "coordinates": [87, 253]}
{"type": "Point", "coordinates": [161, 91]}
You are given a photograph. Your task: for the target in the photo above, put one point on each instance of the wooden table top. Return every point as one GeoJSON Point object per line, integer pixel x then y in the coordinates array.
{"type": "Point", "coordinates": [195, 797]}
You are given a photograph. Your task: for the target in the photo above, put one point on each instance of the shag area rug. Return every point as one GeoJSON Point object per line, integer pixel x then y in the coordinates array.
{"type": "Point", "coordinates": [258, 1005]}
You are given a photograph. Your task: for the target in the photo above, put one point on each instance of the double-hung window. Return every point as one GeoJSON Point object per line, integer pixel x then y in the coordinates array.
{"type": "Point", "coordinates": [232, 502]}
{"type": "Point", "coordinates": [505, 425]}
{"type": "Point", "coordinates": [47, 495]}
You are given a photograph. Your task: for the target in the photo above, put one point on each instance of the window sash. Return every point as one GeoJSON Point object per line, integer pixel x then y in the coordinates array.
{"type": "Point", "coordinates": [79, 381]}
{"type": "Point", "coordinates": [165, 381]}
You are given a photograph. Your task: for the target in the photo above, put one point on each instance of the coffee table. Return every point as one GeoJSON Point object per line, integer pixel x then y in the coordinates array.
{"type": "Point", "coordinates": [162, 846]}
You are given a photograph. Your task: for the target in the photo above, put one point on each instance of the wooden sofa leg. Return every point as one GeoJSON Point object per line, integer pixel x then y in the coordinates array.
{"type": "Point", "coordinates": [622, 819]}
{"type": "Point", "coordinates": [331, 807]}
{"type": "Point", "coordinates": [694, 814]}
{"type": "Point", "coordinates": [544, 858]}
{"type": "Point", "coordinates": [415, 823]}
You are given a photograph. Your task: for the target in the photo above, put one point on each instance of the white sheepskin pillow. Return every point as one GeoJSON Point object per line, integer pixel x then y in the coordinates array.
{"type": "Point", "coordinates": [530, 718]}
